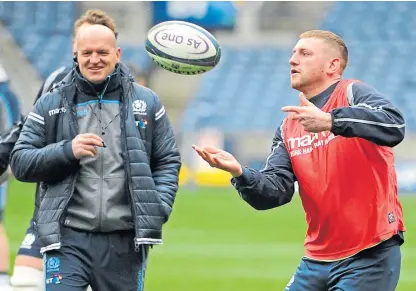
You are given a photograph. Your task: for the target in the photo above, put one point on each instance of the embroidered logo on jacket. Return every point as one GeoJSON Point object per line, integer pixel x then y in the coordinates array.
{"type": "Point", "coordinates": [82, 113]}
{"type": "Point", "coordinates": [139, 107]}
{"type": "Point", "coordinates": [142, 123]}
{"type": "Point", "coordinates": [57, 111]}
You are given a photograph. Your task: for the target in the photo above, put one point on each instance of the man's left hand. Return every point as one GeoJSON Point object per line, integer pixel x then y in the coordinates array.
{"type": "Point", "coordinates": [309, 116]}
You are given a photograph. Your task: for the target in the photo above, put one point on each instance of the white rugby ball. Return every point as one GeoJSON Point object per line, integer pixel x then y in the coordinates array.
{"type": "Point", "coordinates": [182, 47]}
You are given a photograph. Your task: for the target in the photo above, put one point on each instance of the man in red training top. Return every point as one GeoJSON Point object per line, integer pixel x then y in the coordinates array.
{"type": "Point", "coordinates": [338, 145]}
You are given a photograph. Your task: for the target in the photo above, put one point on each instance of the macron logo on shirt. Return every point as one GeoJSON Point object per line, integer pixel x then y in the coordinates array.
{"type": "Point", "coordinates": [305, 144]}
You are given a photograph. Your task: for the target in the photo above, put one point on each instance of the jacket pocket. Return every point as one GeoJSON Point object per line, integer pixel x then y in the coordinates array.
{"type": "Point", "coordinates": [165, 208]}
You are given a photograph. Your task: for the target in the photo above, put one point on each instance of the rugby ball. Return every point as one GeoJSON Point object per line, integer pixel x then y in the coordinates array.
{"type": "Point", "coordinates": [182, 47]}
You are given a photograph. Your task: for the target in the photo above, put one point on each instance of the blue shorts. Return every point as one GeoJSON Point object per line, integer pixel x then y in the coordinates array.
{"type": "Point", "coordinates": [30, 244]}
{"type": "Point", "coordinates": [3, 196]}
{"type": "Point", "coordinates": [105, 261]}
{"type": "Point", "coordinates": [374, 269]}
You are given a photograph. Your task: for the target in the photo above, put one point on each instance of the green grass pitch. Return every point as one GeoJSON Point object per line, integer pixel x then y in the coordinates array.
{"type": "Point", "coordinates": [215, 241]}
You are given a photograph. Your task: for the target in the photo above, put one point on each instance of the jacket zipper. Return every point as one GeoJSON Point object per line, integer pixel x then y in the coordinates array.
{"type": "Point", "coordinates": [100, 217]}
{"type": "Point", "coordinates": [101, 159]}
{"type": "Point", "coordinates": [127, 162]}
{"type": "Point", "coordinates": [74, 127]}
{"type": "Point", "coordinates": [101, 155]}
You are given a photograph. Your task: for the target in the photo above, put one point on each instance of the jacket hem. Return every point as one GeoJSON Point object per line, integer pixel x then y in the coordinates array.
{"type": "Point", "coordinates": [54, 246]}
{"type": "Point", "coordinates": [147, 241]}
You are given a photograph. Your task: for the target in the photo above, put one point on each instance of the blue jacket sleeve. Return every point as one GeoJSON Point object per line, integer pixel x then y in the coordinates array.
{"type": "Point", "coordinates": [272, 186]}
{"type": "Point", "coordinates": [370, 116]}
{"type": "Point", "coordinates": [165, 160]}
{"type": "Point", "coordinates": [33, 159]}
{"type": "Point", "coordinates": [7, 142]}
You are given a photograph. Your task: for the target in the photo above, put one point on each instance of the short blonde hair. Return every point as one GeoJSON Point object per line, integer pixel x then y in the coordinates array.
{"type": "Point", "coordinates": [96, 16]}
{"type": "Point", "coordinates": [331, 38]}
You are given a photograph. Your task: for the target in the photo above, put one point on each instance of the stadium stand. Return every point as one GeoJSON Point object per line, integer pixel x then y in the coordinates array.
{"type": "Point", "coordinates": [253, 84]}
{"type": "Point", "coordinates": [44, 32]}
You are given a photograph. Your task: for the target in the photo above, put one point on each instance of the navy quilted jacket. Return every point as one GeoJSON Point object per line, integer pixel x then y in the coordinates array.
{"type": "Point", "coordinates": [43, 153]}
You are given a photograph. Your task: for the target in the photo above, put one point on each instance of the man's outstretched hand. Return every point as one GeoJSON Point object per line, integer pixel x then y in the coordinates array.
{"type": "Point", "coordinates": [309, 116]}
{"type": "Point", "coordinates": [220, 159]}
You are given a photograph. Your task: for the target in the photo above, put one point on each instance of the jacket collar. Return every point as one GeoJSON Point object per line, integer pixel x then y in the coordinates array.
{"type": "Point", "coordinates": [321, 99]}
{"type": "Point", "coordinates": [111, 83]}
{"type": "Point", "coordinates": [121, 75]}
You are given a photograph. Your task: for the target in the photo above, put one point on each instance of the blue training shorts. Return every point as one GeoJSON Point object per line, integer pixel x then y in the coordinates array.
{"type": "Point", "coordinates": [30, 245]}
{"type": "Point", "coordinates": [374, 269]}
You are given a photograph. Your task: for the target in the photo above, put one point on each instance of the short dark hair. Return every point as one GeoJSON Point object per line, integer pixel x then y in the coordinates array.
{"type": "Point", "coordinates": [96, 16]}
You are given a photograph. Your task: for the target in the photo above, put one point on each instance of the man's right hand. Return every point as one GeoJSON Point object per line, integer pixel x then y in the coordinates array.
{"type": "Point", "coordinates": [85, 144]}
{"type": "Point", "coordinates": [220, 159]}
